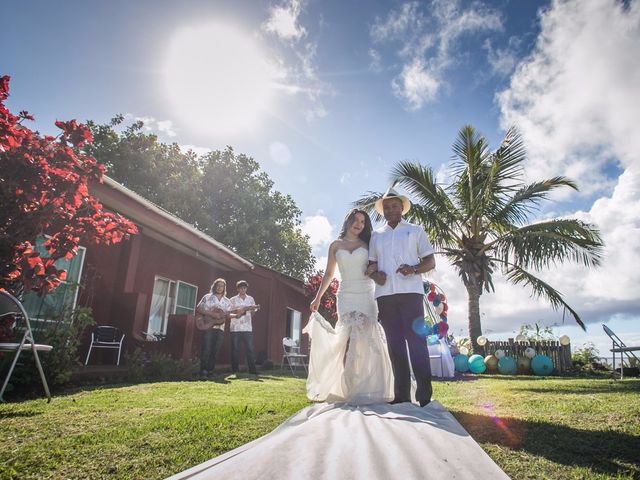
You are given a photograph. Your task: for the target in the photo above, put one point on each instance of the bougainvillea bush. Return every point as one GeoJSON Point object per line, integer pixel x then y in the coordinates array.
{"type": "Point", "coordinates": [44, 191]}
{"type": "Point", "coordinates": [327, 306]}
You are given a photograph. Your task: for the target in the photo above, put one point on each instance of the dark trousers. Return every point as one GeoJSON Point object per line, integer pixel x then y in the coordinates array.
{"type": "Point", "coordinates": [247, 339]}
{"type": "Point", "coordinates": [211, 343]}
{"type": "Point", "coordinates": [401, 315]}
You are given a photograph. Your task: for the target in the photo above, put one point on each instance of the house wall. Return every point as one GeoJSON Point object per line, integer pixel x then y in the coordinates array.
{"type": "Point", "coordinates": [123, 278]}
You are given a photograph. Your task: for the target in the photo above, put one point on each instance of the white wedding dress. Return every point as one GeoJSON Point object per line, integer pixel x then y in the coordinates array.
{"type": "Point", "coordinates": [350, 363]}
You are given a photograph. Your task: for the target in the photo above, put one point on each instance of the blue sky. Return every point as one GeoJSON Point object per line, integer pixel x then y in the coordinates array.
{"type": "Point", "coordinates": [328, 95]}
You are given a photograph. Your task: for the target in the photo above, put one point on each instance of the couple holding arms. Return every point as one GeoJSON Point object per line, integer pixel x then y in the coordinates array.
{"type": "Point", "coordinates": [359, 361]}
{"type": "Point", "coordinates": [212, 313]}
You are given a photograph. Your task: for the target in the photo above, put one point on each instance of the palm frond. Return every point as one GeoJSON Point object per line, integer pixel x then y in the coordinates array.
{"type": "Point", "coordinates": [542, 244]}
{"type": "Point", "coordinates": [367, 203]}
{"type": "Point", "coordinates": [542, 289]}
{"type": "Point", "coordinates": [526, 200]}
{"type": "Point", "coordinates": [435, 206]}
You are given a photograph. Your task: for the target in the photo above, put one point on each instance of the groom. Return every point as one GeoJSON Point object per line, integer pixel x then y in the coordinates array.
{"type": "Point", "coordinates": [399, 253]}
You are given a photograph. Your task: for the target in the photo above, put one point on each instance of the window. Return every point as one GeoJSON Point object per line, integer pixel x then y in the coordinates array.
{"type": "Point", "coordinates": [294, 324]}
{"type": "Point", "coordinates": [186, 299]}
{"type": "Point", "coordinates": [63, 299]}
{"type": "Point", "coordinates": [162, 301]}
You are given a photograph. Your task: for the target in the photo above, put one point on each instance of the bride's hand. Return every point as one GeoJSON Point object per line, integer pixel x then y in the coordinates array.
{"type": "Point", "coordinates": [371, 269]}
{"type": "Point", "coordinates": [315, 304]}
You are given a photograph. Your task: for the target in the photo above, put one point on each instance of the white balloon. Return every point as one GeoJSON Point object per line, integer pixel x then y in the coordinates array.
{"type": "Point", "coordinates": [482, 340]}
{"type": "Point", "coordinates": [520, 338]}
{"type": "Point", "coordinates": [440, 308]}
{"type": "Point", "coordinates": [529, 352]}
{"type": "Point", "coordinates": [464, 350]}
{"type": "Point", "coordinates": [565, 340]}
{"type": "Point", "coordinates": [499, 354]}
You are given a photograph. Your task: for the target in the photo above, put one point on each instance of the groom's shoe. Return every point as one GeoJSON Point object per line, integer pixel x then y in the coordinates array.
{"type": "Point", "coordinates": [424, 402]}
{"type": "Point", "coordinates": [398, 400]}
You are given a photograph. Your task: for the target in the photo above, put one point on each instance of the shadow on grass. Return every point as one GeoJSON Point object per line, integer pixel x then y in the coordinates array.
{"type": "Point", "coordinates": [602, 451]}
{"type": "Point", "coordinates": [592, 388]}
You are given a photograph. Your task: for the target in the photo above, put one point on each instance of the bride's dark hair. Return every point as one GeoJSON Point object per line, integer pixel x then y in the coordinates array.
{"type": "Point", "coordinates": [365, 234]}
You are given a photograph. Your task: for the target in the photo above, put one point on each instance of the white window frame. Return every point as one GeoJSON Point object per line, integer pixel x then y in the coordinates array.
{"type": "Point", "coordinates": [82, 250]}
{"type": "Point", "coordinates": [168, 306]}
{"type": "Point", "coordinates": [294, 331]}
{"type": "Point", "coordinates": [195, 302]}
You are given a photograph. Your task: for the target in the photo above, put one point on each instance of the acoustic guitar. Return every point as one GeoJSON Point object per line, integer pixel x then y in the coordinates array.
{"type": "Point", "coordinates": [205, 322]}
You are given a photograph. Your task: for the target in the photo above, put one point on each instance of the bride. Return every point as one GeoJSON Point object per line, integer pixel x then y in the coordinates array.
{"type": "Point", "coordinates": [349, 363]}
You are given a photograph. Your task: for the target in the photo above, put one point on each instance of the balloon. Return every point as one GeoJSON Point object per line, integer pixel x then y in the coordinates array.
{"type": "Point", "coordinates": [565, 340]}
{"type": "Point", "coordinates": [499, 354]}
{"type": "Point", "coordinates": [464, 350]}
{"type": "Point", "coordinates": [433, 339]}
{"type": "Point", "coordinates": [491, 362]}
{"type": "Point", "coordinates": [476, 364]}
{"type": "Point", "coordinates": [443, 328]}
{"type": "Point", "coordinates": [436, 302]}
{"type": "Point", "coordinates": [442, 297]}
{"type": "Point", "coordinates": [524, 365]}
{"type": "Point", "coordinates": [431, 297]}
{"type": "Point", "coordinates": [507, 366]}
{"type": "Point", "coordinates": [461, 362]}
{"type": "Point", "coordinates": [529, 352]}
{"type": "Point", "coordinates": [482, 340]}
{"type": "Point", "coordinates": [541, 365]}
{"type": "Point", "coordinates": [520, 338]}
{"type": "Point", "coordinates": [439, 308]}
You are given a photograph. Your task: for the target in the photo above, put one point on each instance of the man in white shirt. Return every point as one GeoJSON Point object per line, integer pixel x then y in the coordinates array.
{"type": "Point", "coordinates": [241, 331]}
{"type": "Point", "coordinates": [399, 253]}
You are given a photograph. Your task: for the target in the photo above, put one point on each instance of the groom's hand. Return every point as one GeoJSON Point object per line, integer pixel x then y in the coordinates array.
{"type": "Point", "coordinates": [379, 277]}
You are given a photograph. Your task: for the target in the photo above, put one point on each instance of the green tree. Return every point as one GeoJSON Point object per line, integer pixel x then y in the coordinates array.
{"type": "Point", "coordinates": [478, 221]}
{"type": "Point", "coordinates": [223, 194]}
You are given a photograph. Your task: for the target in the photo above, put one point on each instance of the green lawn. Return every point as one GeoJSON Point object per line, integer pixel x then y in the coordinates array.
{"type": "Point", "coordinates": [533, 428]}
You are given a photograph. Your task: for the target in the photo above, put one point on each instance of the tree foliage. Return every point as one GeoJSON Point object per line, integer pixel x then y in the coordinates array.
{"type": "Point", "coordinates": [222, 193]}
{"type": "Point", "coordinates": [479, 221]}
{"type": "Point", "coordinates": [44, 190]}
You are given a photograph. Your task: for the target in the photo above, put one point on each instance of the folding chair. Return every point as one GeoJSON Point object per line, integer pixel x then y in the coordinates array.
{"type": "Point", "coordinates": [291, 354]}
{"type": "Point", "coordinates": [106, 336]}
{"type": "Point", "coordinates": [10, 305]}
{"type": "Point", "coordinates": [621, 348]}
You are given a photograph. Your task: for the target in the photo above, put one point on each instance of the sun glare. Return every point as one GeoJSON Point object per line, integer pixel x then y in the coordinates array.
{"type": "Point", "coordinates": [217, 79]}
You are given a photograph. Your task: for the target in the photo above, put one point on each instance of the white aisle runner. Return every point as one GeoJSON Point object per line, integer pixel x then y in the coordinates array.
{"type": "Point", "coordinates": [339, 441]}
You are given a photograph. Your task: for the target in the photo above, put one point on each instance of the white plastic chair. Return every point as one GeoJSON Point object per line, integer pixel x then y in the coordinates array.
{"type": "Point", "coordinates": [10, 305]}
{"type": "Point", "coordinates": [291, 354]}
{"type": "Point", "coordinates": [106, 336]}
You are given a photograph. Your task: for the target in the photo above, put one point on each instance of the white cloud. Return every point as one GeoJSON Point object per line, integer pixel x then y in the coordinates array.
{"type": "Point", "coordinates": [416, 85]}
{"type": "Point", "coordinates": [502, 60]}
{"type": "Point", "coordinates": [296, 64]}
{"type": "Point", "coordinates": [280, 153]}
{"type": "Point", "coordinates": [576, 97]}
{"type": "Point", "coordinates": [283, 21]}
{"type": "Point", "coordinates": [195, 149]}
{"type": "Point", "coordinates": [345, 177]}
{"type": "Point", "coordinates": [319, 229]}
{"type": "Point", "coordinates": [152, 125]}
{"type": "Point", "coordinates": [427, 43]}
{"type": "Point", "coordinates": [375, 64]}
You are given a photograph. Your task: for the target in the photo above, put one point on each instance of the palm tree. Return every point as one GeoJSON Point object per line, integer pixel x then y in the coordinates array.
{"type": "Point", "coordinates": [478, 222]}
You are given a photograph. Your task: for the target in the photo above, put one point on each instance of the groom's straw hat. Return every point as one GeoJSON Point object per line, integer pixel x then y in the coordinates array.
{"type": "Point", "coordinates": [391, 193]}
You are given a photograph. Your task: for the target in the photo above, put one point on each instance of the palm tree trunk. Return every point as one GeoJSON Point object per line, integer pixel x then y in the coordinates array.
{"type": "Point", "coordinates": [475, 328]}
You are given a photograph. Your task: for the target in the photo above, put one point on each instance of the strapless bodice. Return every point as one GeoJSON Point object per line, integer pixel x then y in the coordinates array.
{"type": "Point", "coordinates": [352, 266]}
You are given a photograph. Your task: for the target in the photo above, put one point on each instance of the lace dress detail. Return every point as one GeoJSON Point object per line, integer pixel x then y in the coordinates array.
{"type": "Point", "coordinates": [350, 363]}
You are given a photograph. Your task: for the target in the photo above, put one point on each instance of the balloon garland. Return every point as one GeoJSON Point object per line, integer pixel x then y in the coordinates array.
{"type": "Point", "coordinates": [436, 308]}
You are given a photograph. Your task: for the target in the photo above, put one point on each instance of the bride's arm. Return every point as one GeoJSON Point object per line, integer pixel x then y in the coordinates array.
{"type": "Point", "coordinates": [326, 279]}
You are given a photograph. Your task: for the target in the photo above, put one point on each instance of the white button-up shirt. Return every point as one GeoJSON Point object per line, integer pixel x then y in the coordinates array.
{"type": "Point", "coordinates": [392, 247]}
{"type": "Point", "coordinates": [243, 323]}
{"type": "Point", "coordinates": [210, 301]}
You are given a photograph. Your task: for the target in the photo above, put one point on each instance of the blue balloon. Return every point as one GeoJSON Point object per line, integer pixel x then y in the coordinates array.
{"type": "Point", "coordinates": [420, 327]}
{"type": "Point", "coordinates": [433, 339]}
{"type": "Point", "coordinates": [476, 364]}
{"type": "Point", "coordinates": [507, 366]}
{"type": "Point", "coordinates": [461, 362]}
{"type": "Point", "coordinates": [541, 365]}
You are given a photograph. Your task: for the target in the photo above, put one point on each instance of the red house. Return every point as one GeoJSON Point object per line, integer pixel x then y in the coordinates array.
{"type": "Point", "coordinates": [149, 286]}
